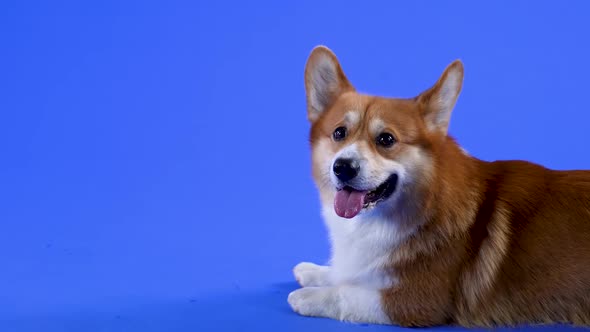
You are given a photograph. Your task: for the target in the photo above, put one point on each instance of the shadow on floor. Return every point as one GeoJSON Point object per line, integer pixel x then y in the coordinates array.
{"type": "Point", "coordinates": [263, 310]}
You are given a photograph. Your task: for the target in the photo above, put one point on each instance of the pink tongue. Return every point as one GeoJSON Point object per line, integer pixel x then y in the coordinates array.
{"type": "Point", "coordinates": [348, 204]}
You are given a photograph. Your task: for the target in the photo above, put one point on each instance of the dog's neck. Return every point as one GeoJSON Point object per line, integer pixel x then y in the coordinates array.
{"type": "Point", "coordinates": [448, 196]}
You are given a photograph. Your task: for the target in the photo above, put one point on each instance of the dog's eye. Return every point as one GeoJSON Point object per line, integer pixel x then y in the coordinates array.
{"type": "Point", "coordinates": [339, 134]}
{"type": "Point", "coordinates": [385, 140]}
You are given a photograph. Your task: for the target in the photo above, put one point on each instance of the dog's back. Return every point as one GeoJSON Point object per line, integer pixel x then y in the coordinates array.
{"type": "Point", "coordinates": [543, 274]}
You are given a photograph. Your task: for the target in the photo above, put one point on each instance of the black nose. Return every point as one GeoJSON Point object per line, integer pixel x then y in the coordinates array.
{"type": "Point", "coordinates": [346, 169]}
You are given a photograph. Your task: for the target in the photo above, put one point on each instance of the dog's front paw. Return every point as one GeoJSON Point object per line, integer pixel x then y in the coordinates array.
{"type": "Point", "coordinates": [311, 301]}
{"type": "Point", "coordinates": [312, 275]}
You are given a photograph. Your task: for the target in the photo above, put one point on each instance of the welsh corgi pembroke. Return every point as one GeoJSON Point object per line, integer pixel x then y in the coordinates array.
{"type": "Point", "coordinates": [424, 234]}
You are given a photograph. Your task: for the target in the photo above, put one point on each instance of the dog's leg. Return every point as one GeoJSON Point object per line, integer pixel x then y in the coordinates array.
{"type": "Point", "coordinates": [347, 303]}
{"type": "Point", "coordinates": [312, 275]}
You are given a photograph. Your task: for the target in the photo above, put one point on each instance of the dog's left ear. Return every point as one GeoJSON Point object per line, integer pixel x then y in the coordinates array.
{"type": "Point", "coordinates": [437, 103]}
{"type": "Point", "coordinates": [324, 81]}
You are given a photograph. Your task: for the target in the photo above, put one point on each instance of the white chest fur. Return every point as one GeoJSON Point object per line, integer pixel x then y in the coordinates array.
{"type": "Point", "coordinates": [361, 249]}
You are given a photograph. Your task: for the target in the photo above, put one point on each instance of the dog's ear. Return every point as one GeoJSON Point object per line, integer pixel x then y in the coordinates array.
{"type": "Point", "coordinates": [324, 81]}
{"type": "Point", "coordinates": [437, 103]}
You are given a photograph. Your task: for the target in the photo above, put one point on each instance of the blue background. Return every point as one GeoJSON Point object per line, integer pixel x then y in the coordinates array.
{"type": "Point", "coordinates": [154, 164]}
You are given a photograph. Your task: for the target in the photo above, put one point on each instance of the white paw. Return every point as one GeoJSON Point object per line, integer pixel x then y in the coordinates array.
{"type": "Point", "coordinates": [310, 301]}
{"type": "Point", "coordinates": [311, 275]}
{"type": "Point", "coordinates": [347, 303]}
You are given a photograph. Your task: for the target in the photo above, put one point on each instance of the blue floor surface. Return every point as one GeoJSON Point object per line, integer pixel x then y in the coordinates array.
{"type": "Point", "coordinates": [154, 165]}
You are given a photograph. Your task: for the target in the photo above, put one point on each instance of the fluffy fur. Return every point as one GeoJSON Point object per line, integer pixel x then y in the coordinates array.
{"type": "Point", "coordinates": [460, 241]}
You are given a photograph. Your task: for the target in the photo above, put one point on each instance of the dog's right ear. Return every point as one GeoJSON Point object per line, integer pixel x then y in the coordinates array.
{"type": "Point", "coordinates": [324, 81]}
{"type": "Point", "coordinates": [438, 102]}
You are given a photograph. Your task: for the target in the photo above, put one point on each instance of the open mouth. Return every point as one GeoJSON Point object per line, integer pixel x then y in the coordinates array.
{"type": "Point", "coordinates": [348, 201]}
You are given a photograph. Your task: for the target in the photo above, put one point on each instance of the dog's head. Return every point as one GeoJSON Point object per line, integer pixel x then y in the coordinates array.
{"type": "Point", "coordinates": [370, 152]}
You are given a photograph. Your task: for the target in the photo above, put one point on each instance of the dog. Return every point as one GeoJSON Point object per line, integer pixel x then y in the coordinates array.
{"type": "Point", "coordinates": [422, 233]}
